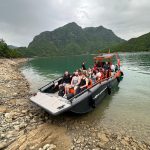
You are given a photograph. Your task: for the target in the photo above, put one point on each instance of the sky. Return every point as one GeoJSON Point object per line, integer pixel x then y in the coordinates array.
{"type": "Point", "coordinates": [21, 20]}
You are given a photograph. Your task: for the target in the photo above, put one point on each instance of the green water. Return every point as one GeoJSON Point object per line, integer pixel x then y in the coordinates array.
{"type": "Point", "coordinates": [127, 110]}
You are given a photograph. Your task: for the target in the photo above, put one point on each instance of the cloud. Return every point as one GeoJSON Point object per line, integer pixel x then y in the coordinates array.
{"type": "Point", "coordinates": [21, 20]}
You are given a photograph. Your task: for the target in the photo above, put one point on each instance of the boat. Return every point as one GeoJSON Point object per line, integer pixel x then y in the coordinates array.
{"type": "Point", "coordinates": [47, 97]}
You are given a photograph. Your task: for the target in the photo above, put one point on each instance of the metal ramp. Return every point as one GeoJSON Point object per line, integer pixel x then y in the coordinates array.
{"type": "Point", "coordinates": [51, 103]}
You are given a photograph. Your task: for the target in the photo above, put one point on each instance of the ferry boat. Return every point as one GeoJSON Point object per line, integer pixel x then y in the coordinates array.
{"type": "Point", "coordinates": [81, 103]}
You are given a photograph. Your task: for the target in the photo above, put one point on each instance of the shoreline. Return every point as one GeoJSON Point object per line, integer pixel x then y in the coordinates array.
{"type": "Point", "coordinates": [26, 126]}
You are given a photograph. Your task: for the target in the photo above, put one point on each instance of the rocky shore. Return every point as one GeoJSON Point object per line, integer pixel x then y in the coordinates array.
{"type": "Point", "coordinates": [25, 126]}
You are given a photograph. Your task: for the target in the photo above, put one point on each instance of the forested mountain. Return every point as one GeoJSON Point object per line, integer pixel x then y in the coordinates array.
{"type": "Point", "coordinates": [141, 43]}
{"type": "Point", "coordinates": [5, 51]}
{"type": "Point", "coordinates": [12, 46]}
{"type": "Point", "coordinates": [71, 39]}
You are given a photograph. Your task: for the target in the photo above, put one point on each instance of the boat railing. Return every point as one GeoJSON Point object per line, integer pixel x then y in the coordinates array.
{"type": "Point", "coordinates": [88, 89]}
{"type": "Point", "coordinates": [52, 82]}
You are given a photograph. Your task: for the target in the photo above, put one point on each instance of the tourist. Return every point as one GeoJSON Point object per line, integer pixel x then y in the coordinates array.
{"type": "Point", "coordinates": [102, 73]}
{"type": "Point", "coordinates": [116, 68]}
{"type": "Point", "coordinates": [65, 80]}
{"type": "Point", "coordinates": [112, 67]}
{"type": "Point", "coordinates": [98, 75]}
{"type": "Point", "coordinates": [89, 74]}
{"type": "Point", "coordinates": [74, 83]}
{"type": "Point", "coordinates": [106, 66]}
{"type": "Point", "coordinates": [83, 83]}
{"type": "Point", "coordinates": [95, 66]}
{"type": "Point", "coordinates": [83, 66]}
{"type": "Point", "coordinates": [118, 63]}
{"type": "Point", "coordinates": [93, 77]}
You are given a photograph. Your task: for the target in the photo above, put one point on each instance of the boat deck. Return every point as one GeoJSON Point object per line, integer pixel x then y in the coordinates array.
{"type": "Point", "coordinates": [51, 102]}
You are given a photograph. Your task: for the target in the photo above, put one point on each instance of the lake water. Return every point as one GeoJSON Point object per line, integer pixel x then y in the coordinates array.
{"type": "Point", "coordinates": [127, 110]}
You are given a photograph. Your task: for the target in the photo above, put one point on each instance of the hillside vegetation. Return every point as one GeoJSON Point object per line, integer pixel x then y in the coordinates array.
{"type": "Point", "coordinates": [71, 39]}
{"type": "Point", "coordinates": [6, 52]}
{"type": "Point", "coordinates": [141, 43]}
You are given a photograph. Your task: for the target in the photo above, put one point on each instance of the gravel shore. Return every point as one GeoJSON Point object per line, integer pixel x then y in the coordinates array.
{"type": "Point", "coordinates": [25, 126]}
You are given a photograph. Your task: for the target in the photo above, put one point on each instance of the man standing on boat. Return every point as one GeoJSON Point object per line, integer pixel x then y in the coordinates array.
{"type": "Point", "coordinates": [83, 66]}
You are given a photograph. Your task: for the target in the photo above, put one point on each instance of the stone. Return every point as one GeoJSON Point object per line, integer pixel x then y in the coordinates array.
{"type": "Point", "coordinates": [126, 138]}
{"type": "Point", "coordinates": [22, 125]}
{"type": "Point", "coordinates": [124, 142]}
{"type": "Point", "coordinates": [24, 111]}
{"type": "Point", "coordinates": [45, 147]}
{"type": "Point", "coordinates": [9, 135]}
{"type": "Point", "coordinates": [16, 127]}
{"type": "Point", "coordinates": [118, 137]}
{"type": "Point", "coordinates": [80, 140]}
{"type": "Point", "coordinates": [3, 109]}
{"type": "Point", "coordinates": [134, 148]}
{"type": "Point", "coordinates": [52, 147]}
{"type": "Point", "coordinates": [2, 135]}
{"type": "Point", "coordinates": [100, 144]}
{"type": "Point", "coordinates": [8, 115]}
{"type": "Point", "coordinates": [3, 145]}
{"type": "Point", "coordinates": [103, 137]}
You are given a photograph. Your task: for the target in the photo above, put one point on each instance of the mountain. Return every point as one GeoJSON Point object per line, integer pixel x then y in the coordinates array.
{"type": "Point", "coordinates": [12, 46]}
{"type": "Point", "coordinates": [71, 39]}
{"type": "Point", "coordinates": [141, 43]}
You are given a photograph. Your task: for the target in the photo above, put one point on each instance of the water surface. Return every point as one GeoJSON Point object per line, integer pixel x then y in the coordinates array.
{"type": "Point", "coordinates": [127, 110]}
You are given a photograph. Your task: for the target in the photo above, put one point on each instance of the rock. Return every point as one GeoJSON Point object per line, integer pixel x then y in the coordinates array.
{"type": "Point", "coordinates": [134, 148]}
{"type": "Point", "coordinates": [103, 137]}
{"type": "Point", "coordinates": [118, 137]}
{"type": "Point", "coordinates": [45, 147]}
{"type": "Point", "coordinates": [8, 115]}
{"type": "Point", "coordinates": [22, 125]}
{"type": "Point", "coordinates": [52, 147]}
{"type": "Point", "coordinates": [126, 138]}
{"type": "Point", "coordinates": [2, 136]}
{"type": "Point", "coordinates": [100, 144]}
{"type": "Point", "coordinates": [24, 111]}
{"type": "Point", "coordinates": [80, 140]}
{"type": "Point", "coordinates": [3, 109]}
{"type": "Point", "coordinates": [16, 127]}
{"type": "Point", "coordinates": [9, 135]}
{"type": "Point", "coordinates": [124, 142]}
{"type": "Point", "coordinates": [3, 145]}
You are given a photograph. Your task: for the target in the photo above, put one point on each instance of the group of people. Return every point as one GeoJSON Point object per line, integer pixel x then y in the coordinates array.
{"type": "Point", "coordinates": [81, 78]}
{"type": "Point", "coordinates": [78, 81]}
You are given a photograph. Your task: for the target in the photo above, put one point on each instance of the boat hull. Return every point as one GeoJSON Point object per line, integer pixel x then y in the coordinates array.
{"type": "Point", "coordinates": [94, 96]}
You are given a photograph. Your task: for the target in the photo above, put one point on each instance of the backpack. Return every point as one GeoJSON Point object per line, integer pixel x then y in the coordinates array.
{"type": "Point", "coordinates": [61, 91]}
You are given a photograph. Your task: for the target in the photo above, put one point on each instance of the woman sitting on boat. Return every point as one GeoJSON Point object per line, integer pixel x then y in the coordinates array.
{"type": "Point", "coordinates": [98, 75]}
{"type": "Point", "coordinates": [83, 83]}
{"type": "Point", "coordinates": [93, 77]}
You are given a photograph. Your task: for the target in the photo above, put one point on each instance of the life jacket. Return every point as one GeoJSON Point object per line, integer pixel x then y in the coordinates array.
{"type": "Point", "coordinates": [118, 73]}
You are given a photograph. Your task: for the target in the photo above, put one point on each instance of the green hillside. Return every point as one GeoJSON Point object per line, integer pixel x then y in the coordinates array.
{"type": "Point", "coordinates": [141, 43]}
{"type": "Point", "coordinates": [71, 39]}
{"type": "Point", "coordinates": [6, 52]}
